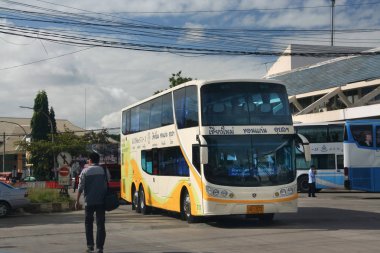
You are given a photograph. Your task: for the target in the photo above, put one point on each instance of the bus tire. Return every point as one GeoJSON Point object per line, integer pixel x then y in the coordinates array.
{"type": "Point", "coordinates": [303, 183]}
{"type": "Point", "coordinates": [144, 209]}
{"type": "Point", "coordinates": [186, 208]}
{"type": "Point", "coordinates": [135, 201]}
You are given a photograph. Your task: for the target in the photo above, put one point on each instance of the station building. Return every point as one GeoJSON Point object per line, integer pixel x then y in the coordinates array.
{"type": "Point", "coordinates": [329, 88]}
{"type": "Point", "coordinates": [14, 130]}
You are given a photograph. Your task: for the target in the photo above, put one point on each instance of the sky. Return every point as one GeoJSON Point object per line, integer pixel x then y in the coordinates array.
{"type": "Point", "coordinates": [88, 84]}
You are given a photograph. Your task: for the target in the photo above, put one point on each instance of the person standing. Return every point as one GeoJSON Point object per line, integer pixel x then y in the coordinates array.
{"type": "Point", "coordinates": [14, 174]}
{"type": "Point", "coordinates": [312, 174]}
{"type": "Point", "coordinates": [92, 182]}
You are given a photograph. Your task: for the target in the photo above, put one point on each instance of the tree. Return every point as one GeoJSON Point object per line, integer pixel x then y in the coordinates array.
{"type": "Point", "coordinates": [98, 138]}
{"type": "Point", "coordinates": [177, 79]}
{"type": "Point", "coordinates": [42, 150]}
{"type": "Point", "coordinates": [40, 121]}
{"type": "Point", "coordinates": [52, 118]}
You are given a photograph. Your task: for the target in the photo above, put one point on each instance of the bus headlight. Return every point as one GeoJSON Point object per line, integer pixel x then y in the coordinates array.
{"type": "Point", "coordinates": [220, 193]}
{"type": "Point", "coordinates": [284, 192]}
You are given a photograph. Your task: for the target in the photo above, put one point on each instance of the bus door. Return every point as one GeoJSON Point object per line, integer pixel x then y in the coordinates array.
{"type": "Point", "coordinates": [154, 170]}
{"type": "Point", "coordinates": [339, 176]}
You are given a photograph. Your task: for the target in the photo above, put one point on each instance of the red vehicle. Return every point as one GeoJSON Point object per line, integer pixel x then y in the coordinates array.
{"type": "Point", "coordinates": [114, 181]}
{"type": "Point", "coordinates": [6, 177]}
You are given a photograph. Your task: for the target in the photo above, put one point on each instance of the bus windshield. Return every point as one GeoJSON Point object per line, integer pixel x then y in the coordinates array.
{"type": "Point", "coordinates": [245, 104]}
{"type": "Point", "coordinates": [257, 160]}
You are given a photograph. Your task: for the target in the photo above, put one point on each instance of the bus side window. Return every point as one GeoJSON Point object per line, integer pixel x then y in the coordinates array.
{"type": "Point", "coordinates": [362, 135]}
{"type": "Point", "coordinates": [378, 136]}
{"type": "Point", "coordinates": [126, 122]}
{"type": "Point", "coordinates": [167, 110]}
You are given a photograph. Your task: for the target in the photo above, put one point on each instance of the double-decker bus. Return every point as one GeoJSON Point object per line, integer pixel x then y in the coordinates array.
{"type": "Point", "coordinates": [207, 148]}
{"type": "Point", "coordinates": [362, 155]}
{"type": "Point", "coordinates": [326, 146]}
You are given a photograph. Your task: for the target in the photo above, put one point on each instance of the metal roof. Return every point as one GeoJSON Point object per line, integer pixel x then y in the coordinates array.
{"type": "Point", "coordinates": [331, 73]}
{"type": "Point", "coordinates": [15, 133]}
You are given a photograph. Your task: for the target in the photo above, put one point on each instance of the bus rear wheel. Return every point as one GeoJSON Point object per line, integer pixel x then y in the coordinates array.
{"type": "Point", "coordinates": [135, 201]}
{"type": "Point", "coordinates": [303, 183]}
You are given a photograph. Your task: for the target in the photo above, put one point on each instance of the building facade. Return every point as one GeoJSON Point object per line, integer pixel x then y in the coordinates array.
{"type": "Point", "coordinates": [14, 130]}
{"type": "Point", "coordinates": [330, 88]}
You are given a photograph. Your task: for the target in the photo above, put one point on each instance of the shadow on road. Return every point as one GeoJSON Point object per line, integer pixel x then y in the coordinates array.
{"type": "Point", "coordinates": [307, 218]}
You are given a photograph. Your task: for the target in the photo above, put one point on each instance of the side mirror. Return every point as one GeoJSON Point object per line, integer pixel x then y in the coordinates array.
{"type": "Point", "coordinates": [305, 147]}
{"type": "Point", "coordinates": [203, 150]}
{"type": "Point", "coordinates": [204, 154]}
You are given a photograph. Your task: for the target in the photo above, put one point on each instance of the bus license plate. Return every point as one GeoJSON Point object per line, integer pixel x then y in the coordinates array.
{"type": "Point", "coordinates": [256, 209]}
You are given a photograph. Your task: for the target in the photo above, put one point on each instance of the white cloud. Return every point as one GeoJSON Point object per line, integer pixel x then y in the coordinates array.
{"type": "Point", "coordinates": [115, 78]}
{"type": "Point", "coordinates": [111, 120]}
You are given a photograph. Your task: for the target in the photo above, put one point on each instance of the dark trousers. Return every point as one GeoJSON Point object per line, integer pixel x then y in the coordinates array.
{"type": "Point", "coordinates": [312, 189]}
{"type": "Point", "coordinates": [100, 225]}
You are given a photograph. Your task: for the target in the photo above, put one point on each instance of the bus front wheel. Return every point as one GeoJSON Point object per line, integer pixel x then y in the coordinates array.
{"type": "Point", "coordinates": [303, 183]}
{"type": "Point", "coordinates": [186, 208]}
{"type": "Point", "coordinates": [142, 203]}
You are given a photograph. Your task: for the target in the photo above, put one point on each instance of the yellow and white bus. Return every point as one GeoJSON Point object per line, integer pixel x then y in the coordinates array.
{"type": "Point", "coordinates": [207, 148]}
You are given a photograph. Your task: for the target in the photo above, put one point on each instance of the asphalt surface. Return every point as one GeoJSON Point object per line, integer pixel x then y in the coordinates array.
{"type": "Point", "coordinates": [332, 222]}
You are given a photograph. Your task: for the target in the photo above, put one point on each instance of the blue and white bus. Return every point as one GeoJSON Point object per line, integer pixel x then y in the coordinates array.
{"type": "Point", "coordinates": [326, 146]}
{"type": "Point", "coordinates": [362, 155]}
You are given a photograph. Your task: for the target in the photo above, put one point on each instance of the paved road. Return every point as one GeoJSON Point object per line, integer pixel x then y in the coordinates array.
{"type": "Point", "coordinates": [332, 222]}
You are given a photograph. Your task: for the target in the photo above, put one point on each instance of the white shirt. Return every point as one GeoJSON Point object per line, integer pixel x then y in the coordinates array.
{"type": "Point", "coordinates": [311, 176]}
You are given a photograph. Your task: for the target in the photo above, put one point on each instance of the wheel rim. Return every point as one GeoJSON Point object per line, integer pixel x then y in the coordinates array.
{"type": "Point", "coordinates": [187, 205]}
{"type": "Point", "coordinates": [135, 199]}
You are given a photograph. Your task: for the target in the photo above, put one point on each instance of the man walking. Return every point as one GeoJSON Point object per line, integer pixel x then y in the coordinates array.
{"type": "Point", "coordinates": [312, 173]}
{"type": "Point", "coordinates": [92, 182]}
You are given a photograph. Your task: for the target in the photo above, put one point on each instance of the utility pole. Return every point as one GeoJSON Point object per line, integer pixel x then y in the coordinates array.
{"type": "Point", "coordinates": [3, 151]}
{"type": "Point", "coordinates": [332, 21]}
{"type": "Point", "coordinates": [14, 123]}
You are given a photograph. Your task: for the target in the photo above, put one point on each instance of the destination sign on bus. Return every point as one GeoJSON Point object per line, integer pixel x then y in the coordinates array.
{"type": "Point", "coordinates": [239, 130]}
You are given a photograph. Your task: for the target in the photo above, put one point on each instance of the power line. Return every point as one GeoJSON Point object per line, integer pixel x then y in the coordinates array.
{"type": "Point", "coordinates": [46, 59]}
{"type": "Point", "coordinates": [99, 32]}
{"type": "Point", "coordinates": [223, 11]}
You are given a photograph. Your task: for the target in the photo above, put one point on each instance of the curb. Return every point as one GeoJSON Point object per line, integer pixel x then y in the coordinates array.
{"type": "Point", "coordinates": [50, 207]}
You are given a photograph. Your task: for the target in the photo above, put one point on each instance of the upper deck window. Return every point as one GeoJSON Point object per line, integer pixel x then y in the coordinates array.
{"type": "Point", "coordinates": [186, 107]}
{"type": "Point", "coordinates": [245, 104]}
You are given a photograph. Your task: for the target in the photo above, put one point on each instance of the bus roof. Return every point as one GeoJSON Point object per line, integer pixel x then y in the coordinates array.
{"type": "Point", "coordinates": [324, 123]}
{"type": "Point", "coordinates": [200, 83]}
{"type": "Point", "coordinates": [363, 121]}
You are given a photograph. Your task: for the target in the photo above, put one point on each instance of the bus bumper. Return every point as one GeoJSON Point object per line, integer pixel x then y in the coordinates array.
{"type": "Point", "coordinates": [215, 208]}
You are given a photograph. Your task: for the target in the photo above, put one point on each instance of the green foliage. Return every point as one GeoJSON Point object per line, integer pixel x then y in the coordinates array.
{"type": "Point", "coordinates": [177, 79]}
{"type": "Point", "coordinates": [42, 151]}
{"type": "Point", "coordinates": [38, 195]}
{"type": "Point", "coordinates": [40, 121]}
{"type": "Point", "coordinates": [100, 137]}
{"type": "Point", "coordinates": [52, 117]}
